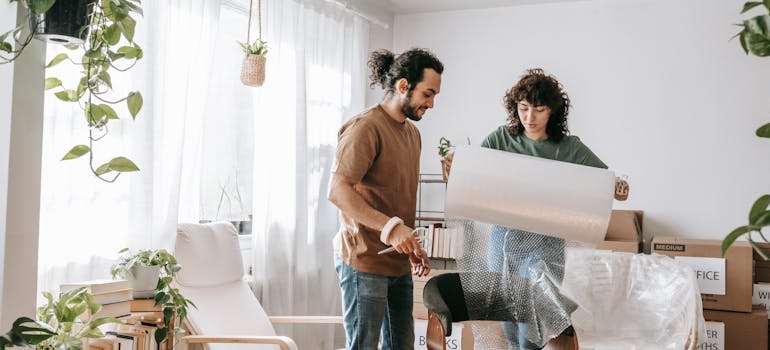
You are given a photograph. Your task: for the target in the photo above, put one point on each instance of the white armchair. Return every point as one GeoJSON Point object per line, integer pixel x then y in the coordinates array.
{"type": "Point", "coordinates": [229, 316]}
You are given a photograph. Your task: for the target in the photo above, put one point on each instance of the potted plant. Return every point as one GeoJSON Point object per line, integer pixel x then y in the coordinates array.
{"type": "Point", "coordinates": [62, 323]}
{"type": "Point", "coordinates": [109, 45]}
{"type": "Point", "coordinates": [253, 67]}
{"type": "Point", "coordinates": [9, 53]}
{"type": "Point", "coordinates": [445, 147]}
{"type": "Point", "coordinates": [172, 303]}
{"type": "Point", "coordinates": [755, 39]}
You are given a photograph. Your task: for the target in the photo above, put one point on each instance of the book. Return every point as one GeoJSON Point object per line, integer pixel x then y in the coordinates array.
{"type": "Point", "coordinates": [125, 341]}
{"type": "Point", "coordinates": [144, 305]}
{"type": "Point", "coordinates": [105, 343]}
{"type": "Point", "coordinates": [145, 334]}
{"type": "Point", "coordinates": [116, 310]}
{"type": "Point", "coordinates": [113, 296]}
{"type": "Point", "coordinates": [96, 286]}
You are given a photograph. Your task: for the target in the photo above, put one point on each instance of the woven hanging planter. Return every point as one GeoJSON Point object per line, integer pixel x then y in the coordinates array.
{"type": "Point", "coordinates": [253, 70]}
{"type": "Point", "coordinates": [253, 66]}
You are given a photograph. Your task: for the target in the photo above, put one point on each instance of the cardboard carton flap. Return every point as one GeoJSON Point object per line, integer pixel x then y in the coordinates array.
{"type": "Point", "coordinates": [625, 225]}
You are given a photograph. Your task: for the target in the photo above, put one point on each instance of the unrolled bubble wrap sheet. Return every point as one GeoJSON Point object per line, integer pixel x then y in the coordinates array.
{"type": "Point", "coordinates": [553, 198]}
{"type": "Point", "coordinates": [511, 214]}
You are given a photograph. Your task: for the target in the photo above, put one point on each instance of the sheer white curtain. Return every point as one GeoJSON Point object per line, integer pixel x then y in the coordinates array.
{"type": "Point", "coordinates": [83, 221]}
{"type": "Point", "coordinates": [315, 81]}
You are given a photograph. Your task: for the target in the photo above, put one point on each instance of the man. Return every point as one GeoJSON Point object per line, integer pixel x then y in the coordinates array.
{"type": "Point", "coordinates": [374, 184]}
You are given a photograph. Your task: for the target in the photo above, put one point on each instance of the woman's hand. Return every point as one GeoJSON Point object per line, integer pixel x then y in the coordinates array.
{"type": "Point", "coordinates": [621, 189]}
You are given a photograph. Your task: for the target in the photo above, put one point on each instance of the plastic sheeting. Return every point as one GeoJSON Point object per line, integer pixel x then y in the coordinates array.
{"type": "Point", "coordinates": [517, 220]}
{"type": "Point", "coordinates": [632, 301]}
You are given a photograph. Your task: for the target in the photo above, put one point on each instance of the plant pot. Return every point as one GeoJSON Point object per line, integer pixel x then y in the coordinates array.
{"type": "Point", "coordinates": [144, 280]}
{"type": "Point", "coordinates": [253, 70]}
{"type": "Point", "coordinates": [445, 169]}
{"type": "Point", "coordinates": [63, 23]}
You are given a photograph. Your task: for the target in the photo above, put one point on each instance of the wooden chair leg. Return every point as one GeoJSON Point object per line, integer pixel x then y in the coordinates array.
{"type": "Point", "coordinates": [434, 337]}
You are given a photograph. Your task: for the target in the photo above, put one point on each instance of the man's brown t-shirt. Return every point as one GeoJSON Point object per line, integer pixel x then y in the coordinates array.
{"type": "Point", "coordinates": [383, 157]}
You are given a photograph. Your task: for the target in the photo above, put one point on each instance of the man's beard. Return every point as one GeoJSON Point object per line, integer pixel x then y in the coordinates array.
{"type": "Point", "coordinates": [408, 110]}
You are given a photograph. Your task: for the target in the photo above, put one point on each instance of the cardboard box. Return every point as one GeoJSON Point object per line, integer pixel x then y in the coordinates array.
{"type": "Point", "coordinates": [762, 266]}
{"type": "Point", "coordinates": [735, 276]}
{"type": "Point", "coordinates": [492, 337]}
{"type": "Point", "coordinates": [744, 331]}
{"type": "Point", "coordinates": [624, 232]}
{"type": "Point", "coordinates": [461, 338]}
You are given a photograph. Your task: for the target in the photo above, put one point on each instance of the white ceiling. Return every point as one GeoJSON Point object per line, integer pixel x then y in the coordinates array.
{"type": "Point", "coordinates": [399, 7]}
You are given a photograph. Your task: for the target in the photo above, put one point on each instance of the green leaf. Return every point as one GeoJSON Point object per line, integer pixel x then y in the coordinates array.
{"type": "Point", "coordinates": [103, 169]}
{"type": "Point", "coordinates": [763, 219]}
{"type": "Point", "coordinates": [130, 52]}
{"type": "Point", "coordinates": [758, 45]}
{"type": "Point", "coordinates": [133, 7]}
{"type": "Point", "coordinates": [764, 130]}
{"type": "Point", "coordinates": [109, 112]}
{"type": "Point", "coordinates": [134, 102]}
{"type": "Point", "coordinates": [112, 34]}
{"type": "Point", "coordinates": [76, 152]}
{"type": "Point", "coordinates": [750, 5]}
{"type": "Point", "coordinates": [94, 114]}
{"type": "Point", "coordinates": [51, 83]}
{"type": "Point", "coordinates": [160, 335]}
{"type": "Point", "coordinates": [123, 165]}
{"type": "Point", "coordinates": [732, 236]}
{"type": "Point", "coordinates": [67, 95]}
{"type": "Point", "coordinates": [758, 208]}
{"type": "Point", "coordinates": [128, 26]}
{"type": "Point", "coordinates": [744, 39]}
{"type": "Point", "coordinates": [758, 249]}
{"type": "Point", "coordinates": [71, 46]}
{"type": "Point", "coordinates": [40, 6]}
{"type": "Point", "coordinates": [5, 46]}
{"type": "Point", "coordinates": [767, 4]}
{"type": "Point", "coordinates": [105, 77]}
{"type": "Point", "coordinates": [57, 59]}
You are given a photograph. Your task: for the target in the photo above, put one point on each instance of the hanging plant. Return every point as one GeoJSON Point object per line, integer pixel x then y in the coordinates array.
{"type": "Point", "coordinates": [109, 45]}
{"type": "Point", "coordinates": [11, 42]}
{"type": "Point", "coordinates": [253, 67]}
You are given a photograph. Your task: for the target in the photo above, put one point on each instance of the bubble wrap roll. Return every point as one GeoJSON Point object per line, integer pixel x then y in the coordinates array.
{"type": "Point", "coordinates": [549, 197]}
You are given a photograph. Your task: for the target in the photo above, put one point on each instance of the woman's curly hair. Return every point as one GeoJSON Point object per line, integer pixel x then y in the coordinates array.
{"type": "Point", "coordinates": [538, 89]}
{"type": "Point", "coordinates": [386, 68]}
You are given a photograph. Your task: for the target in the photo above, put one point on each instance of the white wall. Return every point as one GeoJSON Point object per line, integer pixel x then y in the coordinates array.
{"type": "Point", "coordinates": [22, 147]}
{"type": "Point", "coordinates": [7, 21]}
{"type": "Point", "coordinates": [659, 93]}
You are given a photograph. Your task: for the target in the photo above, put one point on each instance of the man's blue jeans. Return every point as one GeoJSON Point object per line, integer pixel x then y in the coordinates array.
{"type": "Point", "coordinates": [374, 304]}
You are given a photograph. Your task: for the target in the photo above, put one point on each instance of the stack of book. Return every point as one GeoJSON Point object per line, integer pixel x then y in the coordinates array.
{"type": "Point", "coordinates": [113, 295]}
{"type": "Point", "coordinates": [125, 337]}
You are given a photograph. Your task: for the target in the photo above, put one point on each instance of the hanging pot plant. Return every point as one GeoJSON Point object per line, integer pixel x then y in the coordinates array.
{"type": "Point", "coordinates": [64, 22]}
{"type": "Point", "coordinates": [253, 67]}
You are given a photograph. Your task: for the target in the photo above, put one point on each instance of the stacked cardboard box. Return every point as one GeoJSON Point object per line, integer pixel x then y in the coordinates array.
{"type": "Point", "coordinates": [624, 232]}
{"type": "Point", "coordinates": [726, 289]}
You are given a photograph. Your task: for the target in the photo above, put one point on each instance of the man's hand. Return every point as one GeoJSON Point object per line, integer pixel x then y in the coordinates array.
{"type": "Point", "coordinates": [404, 240]}
{"type": "Point", "coordinates": [420, 264]}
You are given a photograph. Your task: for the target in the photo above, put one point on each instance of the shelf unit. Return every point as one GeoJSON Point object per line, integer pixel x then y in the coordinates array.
{"type": "Point", "coordinates": [424, 216]}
